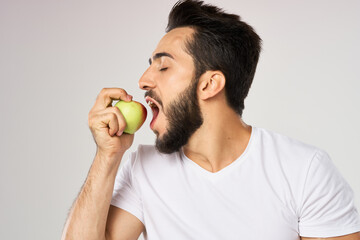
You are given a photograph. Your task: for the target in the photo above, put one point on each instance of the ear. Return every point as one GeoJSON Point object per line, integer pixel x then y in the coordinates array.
{"type": "Point", "coordinates": [210, 84]}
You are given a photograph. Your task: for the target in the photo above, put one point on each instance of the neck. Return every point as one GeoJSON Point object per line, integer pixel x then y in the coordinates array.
{"type": "Point", "coordinates": [220, 140]}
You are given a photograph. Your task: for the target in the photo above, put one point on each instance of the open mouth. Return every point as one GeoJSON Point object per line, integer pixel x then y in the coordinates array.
{"type": "Point", "coordinates": [154, 108]}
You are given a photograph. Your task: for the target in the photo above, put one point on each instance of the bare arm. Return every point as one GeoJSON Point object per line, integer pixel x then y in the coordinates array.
{"type": "Point", "coordinates": [354, 236]}
{"type": "Point", "coordinates": [122, 225]}
{"type": "Point", "coordinates": [90, 217]}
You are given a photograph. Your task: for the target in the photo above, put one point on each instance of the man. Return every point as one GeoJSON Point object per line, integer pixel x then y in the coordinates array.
{"type": "Point", "coordinates": [210, 175]}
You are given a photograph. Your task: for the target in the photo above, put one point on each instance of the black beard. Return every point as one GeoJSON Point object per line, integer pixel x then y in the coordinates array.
{"type": "Point", "coordinates": [184, 118]}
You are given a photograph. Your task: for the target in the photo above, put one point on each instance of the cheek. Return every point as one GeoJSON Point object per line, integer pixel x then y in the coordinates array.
{"type": "Point", "coordinates": [179, 79]}
{"type": "Point", "coordinates": [172, 84]}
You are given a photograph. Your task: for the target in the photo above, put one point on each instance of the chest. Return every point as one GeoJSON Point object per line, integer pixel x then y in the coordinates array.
{"type": "Point", "coordinates": [236, 206]}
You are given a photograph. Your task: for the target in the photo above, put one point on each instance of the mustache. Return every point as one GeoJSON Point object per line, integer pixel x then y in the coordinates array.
{"type": "Point", "coordinates": [154, 96]}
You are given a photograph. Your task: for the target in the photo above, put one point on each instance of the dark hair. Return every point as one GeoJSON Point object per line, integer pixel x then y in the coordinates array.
{"type": "Point", "coordinates": [221, 42]}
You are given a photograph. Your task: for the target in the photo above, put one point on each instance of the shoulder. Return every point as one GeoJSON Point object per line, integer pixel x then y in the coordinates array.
{"type": "Point", "coordinates": [286, 148]}
{"type": "Point", "coordinates": [292, 157]}
{"type": "Point", "coordinates": [290, 165]}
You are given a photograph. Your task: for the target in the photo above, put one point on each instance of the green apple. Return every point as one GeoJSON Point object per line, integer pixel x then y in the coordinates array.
{"type": "Point", "coordinates": [134, 113]}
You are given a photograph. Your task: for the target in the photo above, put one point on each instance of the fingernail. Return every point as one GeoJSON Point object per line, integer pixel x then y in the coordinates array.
{"type": "Point", "coordinates": [130, 97]}
{"type": "Point", "coordinates": [119, 133]}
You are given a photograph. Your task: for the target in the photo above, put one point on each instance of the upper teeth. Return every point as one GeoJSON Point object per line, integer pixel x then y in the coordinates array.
{"type": "Point", "coordinates": [151, 104]}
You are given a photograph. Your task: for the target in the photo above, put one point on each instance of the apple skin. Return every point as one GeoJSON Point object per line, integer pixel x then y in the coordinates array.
{"type": "Point", "coordinates": [134, 113]}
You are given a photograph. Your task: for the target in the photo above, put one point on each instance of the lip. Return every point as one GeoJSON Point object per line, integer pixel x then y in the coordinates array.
{"type": "Point", "coordinates": [155, 110]}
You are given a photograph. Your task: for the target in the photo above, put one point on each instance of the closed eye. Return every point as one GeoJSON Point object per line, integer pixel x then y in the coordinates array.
{"type": "Point", "coordinates": [163, 69]}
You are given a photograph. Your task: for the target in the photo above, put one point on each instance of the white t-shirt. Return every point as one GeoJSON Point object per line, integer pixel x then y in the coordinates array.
{"type": "Point", "coordinates": [279, 188]}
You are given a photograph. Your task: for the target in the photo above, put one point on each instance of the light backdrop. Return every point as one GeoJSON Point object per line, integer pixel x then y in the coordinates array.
{"type": "Point", "coordinates": [55, 56]}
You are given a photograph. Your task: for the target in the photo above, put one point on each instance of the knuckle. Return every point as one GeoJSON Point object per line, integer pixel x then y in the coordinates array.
{"type": "Point", "coordinates": [104, 90]}
{"type": "Point", "coordinates": [90, 123]}
{"type": "Point", "coordinates": [122, 92]}
{"type": "Point", "coordinates": [90, 114]}
{"type": "Point", "coordinates": [116, 110]}
{"type": "Point", "coordinates": [103, 93]}
{"type": "Point", "coordinates": [113, 116]}
{"type": "Point", "coordinates": [90, 119]}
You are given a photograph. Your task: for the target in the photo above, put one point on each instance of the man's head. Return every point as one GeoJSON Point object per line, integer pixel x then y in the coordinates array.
{"type": "Point", "coordinates": [221, 42]}
{"type": "Point", "coordinates": [200, 39]}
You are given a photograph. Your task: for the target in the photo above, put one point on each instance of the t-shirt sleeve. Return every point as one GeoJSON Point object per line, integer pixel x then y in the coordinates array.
{"type": "Point", "coordinates": [125, 195]}
{"type": "Point", "coordinates": [327, 208]}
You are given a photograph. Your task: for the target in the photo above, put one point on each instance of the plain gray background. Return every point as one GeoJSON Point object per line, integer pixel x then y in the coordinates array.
{"type": "Point", "coordinates": [55, 56]}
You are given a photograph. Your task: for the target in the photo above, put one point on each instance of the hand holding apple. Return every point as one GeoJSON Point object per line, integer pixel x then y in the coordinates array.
{"type": "Point", "coordinates": [134, 113]}
{"type": "Point", "coordinates": [107, 125]}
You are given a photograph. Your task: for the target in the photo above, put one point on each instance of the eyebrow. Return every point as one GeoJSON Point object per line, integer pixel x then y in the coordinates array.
{"type": "Point", "coordinates": [159, 55]}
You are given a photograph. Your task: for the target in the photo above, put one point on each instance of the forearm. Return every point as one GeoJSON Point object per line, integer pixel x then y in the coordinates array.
{"type": "Point", "coordinates": [87, 218]}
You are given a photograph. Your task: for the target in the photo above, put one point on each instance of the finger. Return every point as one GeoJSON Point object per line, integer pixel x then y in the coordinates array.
{"type": "Point", "coordinates": [109, 120]}
{"type": "Point", "coordinates": [107, 95]}
{"type": "Point", "coordinates": [120, 125]}
{"type": "Point", "coordinates": [120, 119]}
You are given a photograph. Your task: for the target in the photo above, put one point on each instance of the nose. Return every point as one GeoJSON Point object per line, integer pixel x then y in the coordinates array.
{"type": "Point", "coordinates": [146, 82]}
